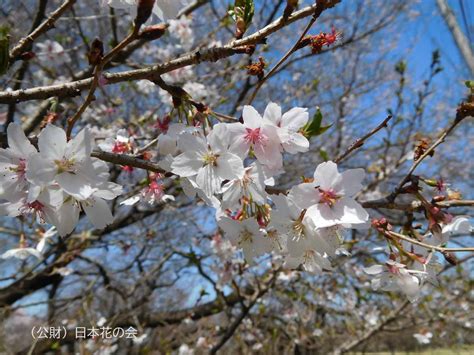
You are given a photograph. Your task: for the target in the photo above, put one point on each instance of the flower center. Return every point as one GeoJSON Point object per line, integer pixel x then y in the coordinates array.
{"type": "Point", "coordinates": [121, 147]}
{"type": "Point", "coordinates": [392, 269]}
{"type": "Point", "coordinates": [298, 229]}
{"type": "Point", "coordinates": [328, 197]}
{"type": "Point", "coordinates": [245, 237]}
{"type": "Point", "coordinates": [210, 159]}
{"type": "Point", "coordinates": [20, 169]}
{"type": "Point", "coordinates": [65, 165]}
{"type": "Point", "coordinates": [254, 136]}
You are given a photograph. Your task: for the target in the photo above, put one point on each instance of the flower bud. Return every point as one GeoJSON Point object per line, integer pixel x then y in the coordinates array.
{"type": "Point", "coordinates": [27, 55]}
{"type": "Point", "coordinates": [450, 258]}
{"type": "Point", "coordinates": [144, 10]}
{"type": "Point", "coordinates": [151, 33]}
{"type": "Point", "coordinates": [96, 52]}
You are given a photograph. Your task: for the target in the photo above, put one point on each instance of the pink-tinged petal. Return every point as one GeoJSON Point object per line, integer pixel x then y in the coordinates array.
{"type": "Point", "coordinates": [269, 155]}
{"type": "Point", "coordinates": [351, 182]}
{"type": "Point", "coordinates": [251, 117]}
{"type": "Point", "coordinates": [75, 185]}
{"type": "Point", "coordinates": [18, 142]}
{"type": "Point", "coordinates": [98, 212]}
{"type": "Point", "coordinates": [304, 195]}
{"type": "Point", "coordinates": [229, 166]}
{"type": "Point", "coordinates": [295, 119]}
{"type": "Point", "coordinates": [240, 146]}
{"type": "Point", "coordinates": [52, 142]}
{"type": "Point", "coordinates": [353, 213]}
{"type": "Point", "coordinates": [208, 180]}
{"type": "Point", "coordinates": [326, 175]}
{"type": "Point", "coordinates": [187, 164]}
{"type": "Point", "coordinates": [273, 113]}
{"type": "Point", "coordinates": [268, 151]}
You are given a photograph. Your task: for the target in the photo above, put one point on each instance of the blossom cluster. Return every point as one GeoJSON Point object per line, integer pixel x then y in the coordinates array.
{"type": "Point", "coordinates": [408, 271]}
{"type": "Point", "coordinates": [57, 181]}
{"type": "Point", "coordinates": [231, 166]}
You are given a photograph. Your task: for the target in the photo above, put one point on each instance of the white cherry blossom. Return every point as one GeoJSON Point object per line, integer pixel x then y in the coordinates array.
{"type": "Point", "coordinates": [288, 126]}
{"type": "Point", "coordinates": [251, 186]}
{"type": "Point", "coordinates": [247, 235]}
{"type": "Point", "coordinates": [66, 162]}
{"type": "Point", "coordinates": [394, 276]}
{"type": "Point", "coordinates": [260, 135]}
{"type": "Point", "coordinates": [13, 162]}
{"type": "Point", "coordinates": [209, 160]}
{"type": "Point", "coordinates": [329, 198]}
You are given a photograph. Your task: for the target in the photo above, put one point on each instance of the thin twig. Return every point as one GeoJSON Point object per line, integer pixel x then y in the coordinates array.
{"type": "Point", "coordinates": [320, 7]}
{"type": "Point", "coordinates": [45, 26]}
{"type": "Point", "coordinates": [427, 246]}
{"type": "Point", "coordinates": [360, 142]}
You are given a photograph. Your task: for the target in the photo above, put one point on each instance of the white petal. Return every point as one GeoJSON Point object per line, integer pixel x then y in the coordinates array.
{"type": "Point", "coordinates": [208, 180]}
{"type": "Point", "coordinates": [295, 119]}
{"type": "Point", "coordinates": [98, 212]}
{"type": "Point", "coordinates": [229, 166]}
{"type": "Point", "coordinates": [353, 212]}
{"type": "Point", "coordinates": [351, 182]}
{"type": "Point", "coordinates": [52, 142]}
{"type": "Point", "coordinates": [273, 113]}
{"type": "Point", "coordinates": [251, 117]}
{"type": "Point", "coordinates": [79, 147]}
{"type": "Point", "coordinates": [187, 164]}
{"type": "Point", "coordinates": [40, 171]}
{"type": "Point", "coordinates": [374, 269]}
{"type": "Point", "coordinates": [304, 195]}
{"type": "Point", "coordinates": [75, 185]}
{"type": "Point", "coordinates": [326, 175]}
{"type": "Point", "coordinates": [68, 216]}
{"type": "Point", "coordinates": [18, 142]}
{"type": "Point", "coordinates": [131, 201]}
{"type": "Point", "coordinates": [297, 143]}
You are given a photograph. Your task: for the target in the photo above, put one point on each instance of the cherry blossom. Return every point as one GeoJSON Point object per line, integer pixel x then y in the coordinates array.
{"type": "Point", "coordinates": [247, 235]}
{"type": "Point", "coordinates": [260, 135]}
{"type": "Point", "coordinates": [394, 276]}
{"type": "Point", "coordinates": [208, 159]}
{"type": "Point", "coordinates": [13, 162]}
{"type": "Point", "coordinates": [329, 198]}
{"type": "Point", "coordinates": [67, 163]}
{"type": "Point", "coordinates": [288, 126]}
{"type": "Point", "coordinates": [423, 338]}
{"type": "Point", "coordinates": [122, 144]}
{"type": "Point", "coordinates": [251, 187]}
